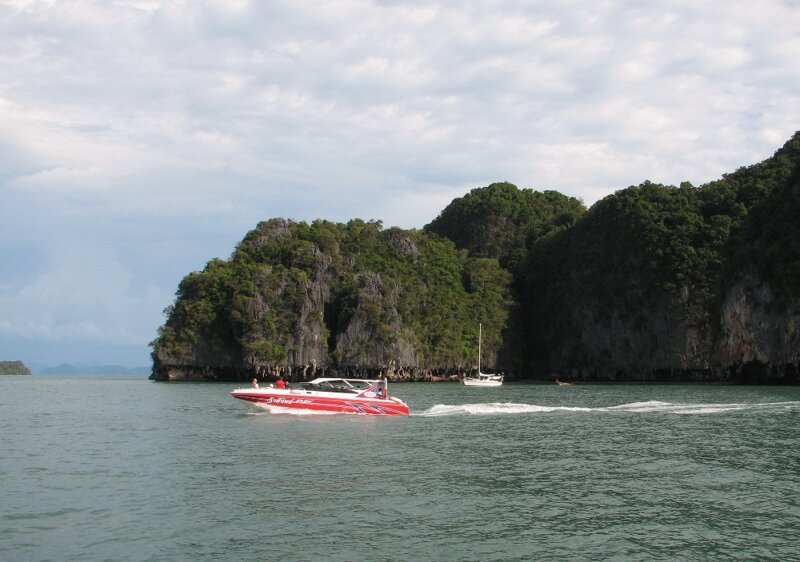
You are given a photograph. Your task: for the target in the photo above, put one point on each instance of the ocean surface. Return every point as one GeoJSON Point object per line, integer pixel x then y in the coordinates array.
{"type": "Point", "coordinates": [122, 468]}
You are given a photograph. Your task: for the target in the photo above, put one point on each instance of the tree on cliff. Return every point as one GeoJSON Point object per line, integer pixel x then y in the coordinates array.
{"type": "Point", "coordinates": [504, 222]}
{"type": "Point", "coordinates": [636, 288]}
{"type": "Point", "coordinates": [342, 296]}
{"type": "Point", "coordinates": [649, 283]}
{"type": "Point", "coordinates": [769, 238]}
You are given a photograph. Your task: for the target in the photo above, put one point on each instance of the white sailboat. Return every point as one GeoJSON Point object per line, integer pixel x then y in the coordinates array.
{"type": "Point", "coordinates": [482, 379]}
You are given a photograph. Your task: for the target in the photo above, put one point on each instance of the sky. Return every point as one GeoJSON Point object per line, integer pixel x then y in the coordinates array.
{"type": "Point", "coordinates": [140, 139]}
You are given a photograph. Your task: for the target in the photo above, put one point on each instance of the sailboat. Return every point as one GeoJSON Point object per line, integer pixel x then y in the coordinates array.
{"type": "Point", "coordinates": [482, 379]}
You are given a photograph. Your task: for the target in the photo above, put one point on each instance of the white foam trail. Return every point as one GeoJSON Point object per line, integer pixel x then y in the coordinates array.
{"type": "Point", "coordinates": [699, 409]}
{"type": "Point", "coordinates": [666, 407]}
{"type": "Point", "coordinates": [649, 406]}
{"type": "Point", "coordinates": [652, 406]}
{"type": "Point", "coordinates": [720, 408]}
{"type": "Point", "coordinates": [494, 408]}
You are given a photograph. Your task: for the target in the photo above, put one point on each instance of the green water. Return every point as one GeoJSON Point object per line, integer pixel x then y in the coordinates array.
{"type": "Point", "coordinates": [103, 468]}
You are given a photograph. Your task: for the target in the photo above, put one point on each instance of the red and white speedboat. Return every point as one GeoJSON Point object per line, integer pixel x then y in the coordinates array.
{"type": "Point", "coordinates": [338, 396]}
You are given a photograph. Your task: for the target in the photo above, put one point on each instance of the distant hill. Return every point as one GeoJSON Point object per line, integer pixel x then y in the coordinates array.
{"type": "Point", "coordinates": [13, 368]}
{"type": "Point", "coordinates": [67, 369]}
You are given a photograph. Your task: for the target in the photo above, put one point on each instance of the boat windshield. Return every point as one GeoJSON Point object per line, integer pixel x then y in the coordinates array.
{"type": "Point", "coordinates": [366, 387]}
{"type": "Point", "coordinates": [337, 385]}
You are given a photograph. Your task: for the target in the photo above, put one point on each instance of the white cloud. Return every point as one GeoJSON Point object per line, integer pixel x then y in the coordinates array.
{"type": "Point", "coordinates": [81, 293]}
{"type": "Point", "coordinates": [197, 120]}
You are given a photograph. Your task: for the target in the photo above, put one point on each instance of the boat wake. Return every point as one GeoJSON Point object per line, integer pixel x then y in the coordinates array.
{"type": "Point", "coordinates": [653, 406]}
{"type": "Point", "coordinates": [669, 408]}
{"type": "Point", "coordinates": [494, 408]}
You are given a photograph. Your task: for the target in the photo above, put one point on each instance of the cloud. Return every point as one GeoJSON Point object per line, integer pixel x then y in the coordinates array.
{"type": "Point", "coordinates": [80, 293]}
{"type": "Point", "coordinates": [151, 134]}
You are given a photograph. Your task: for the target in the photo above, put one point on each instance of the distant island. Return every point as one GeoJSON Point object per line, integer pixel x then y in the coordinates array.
{"type": "Point", "coordinates": [13, 368]}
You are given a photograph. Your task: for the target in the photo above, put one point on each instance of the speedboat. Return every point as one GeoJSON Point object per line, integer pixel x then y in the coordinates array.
{"type": "Point", "coordinates": [329, 395]}
{"type": "Point", "coordinates": [483, 379]}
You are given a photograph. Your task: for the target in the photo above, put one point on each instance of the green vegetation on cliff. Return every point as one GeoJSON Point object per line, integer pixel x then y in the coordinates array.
{"type": "Point", "coordinates": [768, 238]}
{"type": "Point", "coordinates": [652, 282]}
{"type": "Point", "coordinates": [13, 368]}
{"type": "Point", "coordinates": [337, 295]}
{"type": "Point", "coordinates": [639, 283]}
{"type": "Point", "coordinates": [504, 222]}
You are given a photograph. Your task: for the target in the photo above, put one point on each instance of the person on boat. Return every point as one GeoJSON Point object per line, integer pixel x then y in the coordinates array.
{"type": "Point", "coordinates": [280, 383]}
{"type": "Point", "coordinates": [255, 383]}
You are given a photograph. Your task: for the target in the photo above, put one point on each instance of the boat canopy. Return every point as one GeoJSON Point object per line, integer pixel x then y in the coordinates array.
{"type": "Point", "coordinates": [355, 386]}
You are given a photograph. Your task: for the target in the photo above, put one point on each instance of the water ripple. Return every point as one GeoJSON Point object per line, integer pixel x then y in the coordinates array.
{"type": "Point", "coordinates": [652, 406]}
{"type": "Point", "coordinates": [130, 470]}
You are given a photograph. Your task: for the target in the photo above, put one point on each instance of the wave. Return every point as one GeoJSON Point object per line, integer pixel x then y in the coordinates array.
{"type": "Point", "coordinates": [495, 408]}
{"type": "Point", "coordinates": [652, 406]}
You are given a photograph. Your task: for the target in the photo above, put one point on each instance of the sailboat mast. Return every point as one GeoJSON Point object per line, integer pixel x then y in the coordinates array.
{"type": "Point", "coordinates": [480, 337]}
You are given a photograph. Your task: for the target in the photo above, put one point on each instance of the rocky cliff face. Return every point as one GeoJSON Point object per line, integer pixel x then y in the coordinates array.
{"type": "Point", "coordinates": [759, 337]}
{"type": "Point", "coordinates": [757, 340]}
{"type": "Point", "coordinates": [653, 283]}
{"type": "Point", "coordinates": [662, 283]}
{"type": "Point", "coordinates": [654, 344]}
{"type": "Point", "coordinates": [303, 302]}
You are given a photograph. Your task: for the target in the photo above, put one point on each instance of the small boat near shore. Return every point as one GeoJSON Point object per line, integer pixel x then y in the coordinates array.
{"type": "Point", "coordinates": [482, 379]}
{"type": "Point", "coordinates": [329, 395]}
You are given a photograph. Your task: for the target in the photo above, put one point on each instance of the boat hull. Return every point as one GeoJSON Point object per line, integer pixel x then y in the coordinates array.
{"type": "Point", "coordinates": [473, 382]}
{"type": "Point", "coordinates": [322, 402]}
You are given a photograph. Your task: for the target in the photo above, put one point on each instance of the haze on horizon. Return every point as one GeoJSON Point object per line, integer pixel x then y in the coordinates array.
{"type": "Point", "coordinates": [142, 138]}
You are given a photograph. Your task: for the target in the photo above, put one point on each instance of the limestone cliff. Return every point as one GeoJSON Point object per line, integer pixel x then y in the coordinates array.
{"type": "Point", "coordinates": [652, 283]}
{"type": "Point", "coordinates": [759, 339]}
{"type": "Point", "coordinates": [662, 283]}
{"type": "Point", "coordinates": [308, 300]}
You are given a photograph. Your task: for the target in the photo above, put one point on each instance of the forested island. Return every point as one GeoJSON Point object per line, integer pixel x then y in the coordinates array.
{"type": "Point", "coordinates": [652, 283]}
{"type": "Point", "coordinates": [13, 368]}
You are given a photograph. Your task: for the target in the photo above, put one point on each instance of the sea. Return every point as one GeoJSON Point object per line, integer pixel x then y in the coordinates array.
{"type": "Point", "coordinates": [126, 469]}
